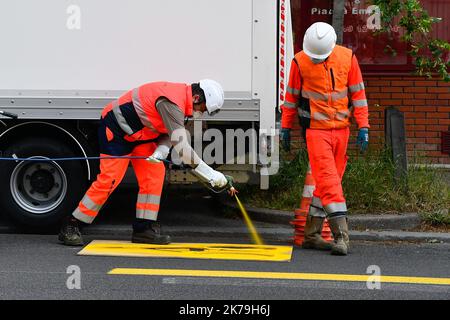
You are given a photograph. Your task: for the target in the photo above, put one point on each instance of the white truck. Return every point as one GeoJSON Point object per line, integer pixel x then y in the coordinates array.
{"type": "Point", "coordinates": [62, 61]}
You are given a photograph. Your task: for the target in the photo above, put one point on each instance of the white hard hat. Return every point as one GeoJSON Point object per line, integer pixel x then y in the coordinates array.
{"type": "Point", "coordinates": [319, 40]}
{"type": "Point", "coordinates": [214, 95]}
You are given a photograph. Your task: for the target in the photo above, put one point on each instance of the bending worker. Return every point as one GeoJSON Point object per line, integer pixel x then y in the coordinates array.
{"type": "Point", "coordinates": [146, 122]}
{"type": "Point", "coordinates": [325, 88]}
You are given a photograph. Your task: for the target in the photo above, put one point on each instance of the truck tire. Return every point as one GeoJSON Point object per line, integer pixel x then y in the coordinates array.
{"type": "Point", "coordinates": [38, 195]}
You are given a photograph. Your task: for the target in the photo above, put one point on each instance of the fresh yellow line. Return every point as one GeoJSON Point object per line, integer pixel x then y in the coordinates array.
{"type": "Point", "coordinates": [280, 275]}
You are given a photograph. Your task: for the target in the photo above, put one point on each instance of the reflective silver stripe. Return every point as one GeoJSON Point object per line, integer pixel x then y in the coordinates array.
{"type": "Point", "coordinates": [314, 95]}
{"type": "Point", "coordinates": [304, 113]}
{"type": "Point", "coordinates": [316, 202]}
{"type": "Point", "coordinates": [82, 217]}
{"type": "Point", "coordinates": [339, 95]}
{"type": "Point", "coordinates": [320, 116]}
{"type": "Point", "coordinates": [293, 91]}
{"type": "Point", "coordinates": [357, 87]}
{"type": "Point", "coordinates": [290, 105]}
{"type": "Point", "coordinates": [140, 110]}
{"type": "Point", "coordinates": [342, 115]}
{"type": "Point", "coordinates": [91, 205]}
{"type": "Point", "coordinates": [146, 214]}
{"type": "Point", "coordinates": [359, 103]}
{"type": "Point", "coordinates": [308, 191]}
{"type": "Point", "coordinates": [324, 97]}
{"type": "Point", "coordinates": [120, 118]}
{"type": "Point", "coordinates": [316, 212]}
{"type": "Point", "coordinates": [335, 207]}
{"type": "Point", "coordinates": [148, 198]}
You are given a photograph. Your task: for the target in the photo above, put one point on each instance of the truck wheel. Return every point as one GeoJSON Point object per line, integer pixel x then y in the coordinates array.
{"type": "Point", "coordinates": [40, 193]}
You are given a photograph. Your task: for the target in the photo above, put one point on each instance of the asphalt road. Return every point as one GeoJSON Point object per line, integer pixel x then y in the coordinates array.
{"type": "Point", "coordinates": [38, 267]}
{"type": "Point", "coordinates": [35, 267]}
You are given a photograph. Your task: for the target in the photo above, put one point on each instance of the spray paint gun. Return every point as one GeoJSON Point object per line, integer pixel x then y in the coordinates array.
{"type": "Point", "coordinates": [228, 187]}
{"type": "Point", "coordinates": [212, 178]}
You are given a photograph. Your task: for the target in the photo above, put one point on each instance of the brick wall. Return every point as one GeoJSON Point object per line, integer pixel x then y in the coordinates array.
{"type": "Point", "coordinates": [425, 104]}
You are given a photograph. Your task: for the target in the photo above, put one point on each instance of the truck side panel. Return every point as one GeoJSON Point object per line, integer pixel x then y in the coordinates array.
{"type": "Point", "coordinates": [117, 45]}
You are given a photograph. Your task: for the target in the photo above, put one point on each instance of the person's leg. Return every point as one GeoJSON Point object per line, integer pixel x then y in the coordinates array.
{"type": "Point", "coordinates": [111, 174]}
{"type": "Point", "coordinates": [321, 150]}
{"type": "Point", "coordinates": [314, 222]}
{"type": "Point", "coordinates": [340, 150]}
{"type": "Point", "coordinates": [338, 219]}
{"type": "Point", "coordinates": [150, 177]}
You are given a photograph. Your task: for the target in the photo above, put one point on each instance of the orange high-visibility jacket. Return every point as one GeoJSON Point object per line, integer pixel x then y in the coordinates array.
{"type": "Point", "coordinates": [136, 111]}
{"type": "Point", "coordinates": [319, 93]}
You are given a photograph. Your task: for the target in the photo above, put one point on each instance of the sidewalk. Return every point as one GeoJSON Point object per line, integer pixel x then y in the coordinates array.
{"type": "Point", "coordinates": [383, 227]}
{"type": "Point", "coordinates": [197, 214]}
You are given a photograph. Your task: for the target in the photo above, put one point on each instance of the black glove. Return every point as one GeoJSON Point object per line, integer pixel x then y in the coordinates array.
{"type": "Point", "coordinates": [285, 136]}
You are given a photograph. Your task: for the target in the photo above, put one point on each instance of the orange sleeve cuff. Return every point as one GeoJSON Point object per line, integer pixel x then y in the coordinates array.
{"type": "Point", "coordinates": [287, 117]}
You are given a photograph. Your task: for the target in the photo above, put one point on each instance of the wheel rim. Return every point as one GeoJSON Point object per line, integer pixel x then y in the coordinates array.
{"type": "Point", "coordinates": [38, 187]}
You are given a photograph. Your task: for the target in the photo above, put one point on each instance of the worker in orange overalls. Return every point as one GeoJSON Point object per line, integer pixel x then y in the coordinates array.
{"type": "Point", "coordinates": [145, 122]}
{"type": "Point", "coordinates": [325, 89]}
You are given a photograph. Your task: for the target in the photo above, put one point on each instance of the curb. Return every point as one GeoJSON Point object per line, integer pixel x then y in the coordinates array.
{"type": "Point", "coordinates": [430, 237]}
{"type": "Point", "coordinates": [406, 221]}
{"type": "Point", "coordinates": [278, 234]}
{"type": "Point", "coordinates": [275, 234]}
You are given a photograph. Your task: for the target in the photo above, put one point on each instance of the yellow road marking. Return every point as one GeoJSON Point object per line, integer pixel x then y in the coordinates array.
{"type": "Point", "coordinates": [280, 275]}
{"type": "Point", "coordinates": [190, 251]}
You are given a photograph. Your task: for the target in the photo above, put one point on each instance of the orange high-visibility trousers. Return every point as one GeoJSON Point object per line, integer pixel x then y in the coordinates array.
{"type": "Point", "coordinates": [150, 179]}
{"type": "Point", "coordinates": [327, 151]}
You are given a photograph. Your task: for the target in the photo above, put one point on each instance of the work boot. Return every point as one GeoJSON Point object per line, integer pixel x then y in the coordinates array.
{"type": "Point", "coordinates": [70, 233]}
{"type": "Point", "coordinates": [151, 234]}
{"type": "Point", "coordinates": [313, 231]}
{"type": "Point", "coordinates": [339, 228]}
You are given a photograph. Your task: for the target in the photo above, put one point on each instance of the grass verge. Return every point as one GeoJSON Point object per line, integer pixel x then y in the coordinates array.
{"type": "Point", "coordinates": [369, 186]}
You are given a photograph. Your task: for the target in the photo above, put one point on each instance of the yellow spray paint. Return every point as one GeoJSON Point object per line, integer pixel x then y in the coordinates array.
{"type": "Point", "coordinates": [221, 251]}
{"type": "Point", "coordinates": [254, 234]}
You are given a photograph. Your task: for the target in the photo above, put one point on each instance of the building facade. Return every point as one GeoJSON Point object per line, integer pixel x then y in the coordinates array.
{"type": "Point", "coordinates": [389, 78]}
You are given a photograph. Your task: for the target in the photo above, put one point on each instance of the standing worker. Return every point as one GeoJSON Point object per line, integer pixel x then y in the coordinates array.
{"type": "Point", "coordinates": [145, 122]}
{"type": "Point", "coordinates": [326, 88]}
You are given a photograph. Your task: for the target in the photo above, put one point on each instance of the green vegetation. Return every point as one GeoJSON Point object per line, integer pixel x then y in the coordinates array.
{"type": "Point", "coordinates": [369, 186]}
{"type": "Point", "coordinates": [431, 55]}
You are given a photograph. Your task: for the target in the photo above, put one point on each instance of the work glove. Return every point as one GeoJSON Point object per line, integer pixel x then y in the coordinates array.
{"type": "Point", "coordinates": [160, 153]}
{"type": "Point", "coordinates": [285, 136]}
{"type": "Point", "coordinates": [363, 139]}
{"type": "Point", "coordinates": [207, 174]}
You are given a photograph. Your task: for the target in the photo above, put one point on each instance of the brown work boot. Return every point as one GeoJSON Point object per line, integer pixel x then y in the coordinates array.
{"type": "Point", "coordinates": [339, 228]}
{"type": "Point", "coordinates": [151, 235]}
{"type": "Point", "coordinates": [313, 231]}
